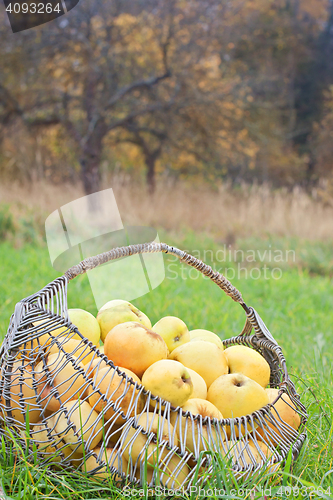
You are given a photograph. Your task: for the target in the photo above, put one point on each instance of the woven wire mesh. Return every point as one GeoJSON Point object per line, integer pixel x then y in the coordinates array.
{"type": "Point", "coordinates": [79, 410]}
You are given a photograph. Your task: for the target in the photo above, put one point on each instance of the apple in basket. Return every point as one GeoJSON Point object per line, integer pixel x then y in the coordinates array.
{"type": "Point", "coordinates": [200, 334]}
{"type": "Point", "coordinates": [195, 430]}
{"type": "Point", "coordinates": [205, 358]}
{"type": "Point", "coordinates": [59, 378]}
{"type": "Point", "coordinates": [84, 321]}
{"type": "Point", "coordinates": [173, 330]}
{"type": "Point", "coordinates": [243, 359]}
{"type": "Point", "coordinates": [116, 388]}
{"type": "Point", "coordinates": [19, 395]}
{"type": "Point", "coordinates": [169, 380]}
{"type": "Point", "coordinates": [236, 395]}
{"type": "Point", "coordinates": [133, 346]}
{"type": "Point", "coordinates": [116, 312]}
{"type": "Point", "coordinates": [283, 412]}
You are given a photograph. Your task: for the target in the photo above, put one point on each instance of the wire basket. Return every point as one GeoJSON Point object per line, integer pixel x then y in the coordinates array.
{"type": "Point", "coordinates": [52, 401]}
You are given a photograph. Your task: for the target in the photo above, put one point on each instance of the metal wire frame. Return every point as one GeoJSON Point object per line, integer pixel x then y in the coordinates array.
{"type": "Point", "coordinates": [33, 335]}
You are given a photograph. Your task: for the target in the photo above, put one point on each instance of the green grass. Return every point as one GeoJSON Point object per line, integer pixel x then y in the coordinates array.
{"type": "Point", "coordinates": [297, 309]}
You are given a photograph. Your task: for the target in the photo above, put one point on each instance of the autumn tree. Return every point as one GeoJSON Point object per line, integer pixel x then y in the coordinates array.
{"type": "Point", "coordinates": [94, 75]}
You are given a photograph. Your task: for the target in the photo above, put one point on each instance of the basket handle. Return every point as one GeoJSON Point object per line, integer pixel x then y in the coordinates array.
{"type": "Point", "coordinates": [117, 253]}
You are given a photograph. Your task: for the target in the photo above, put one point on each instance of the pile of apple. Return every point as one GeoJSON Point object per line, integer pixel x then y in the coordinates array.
{"type": "Point", "coordinates": [188, 369]}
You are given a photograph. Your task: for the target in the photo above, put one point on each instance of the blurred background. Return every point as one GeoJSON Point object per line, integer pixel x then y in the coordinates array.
{"type": "Point", "coordinates": [211, 115]}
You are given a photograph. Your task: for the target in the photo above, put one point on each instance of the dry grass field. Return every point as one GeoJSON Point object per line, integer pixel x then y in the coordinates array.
{"type": "Point", "coordinates": [225, 214]}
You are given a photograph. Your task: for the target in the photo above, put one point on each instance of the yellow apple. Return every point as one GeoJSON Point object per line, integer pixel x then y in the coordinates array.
{"type": "Point", "coordinates": [169, 380]}
{"type": "Point", "coordinates": [87, 325]}
{"type": "Point", "coordinates": [59, 381]}
{"type": "Point", "coordinates": [202, 407]}
{"type": "Point", "coordinates": [94, 366]}
{"type": "Point", "coordinates": [206, 335]}
{"type": "Point", "coordinates": [173, 330]}
{"type": "Point", "coordinates": [199, 385]}
{"type": "Point", "coordinates": [19, 395]}
{"type": "Point", "coordinates": [74, 346]}
{"type": "Point", "coordinates": [264, 450]}
{"type": "Point", "coordinates": [85, 322]}
{"type": "Point", "coordinates": [113, 431]}
{"type": "Point", "coordinates": [236, 395]}
{"type": "Point", "coordinates": [87, 428]}
{"type": "Point", "coordinates": [243, 359]}
{"type": "Point", "coordinates": [134, 346]}
{"type": "Point", "coordinates": [113, 303]}
{"type": "Point", "coordinates": [247, 453]}
{"type": "Point", "coordinates": [284, 414]}
{"type": "Point", "coordinates": [116, 389]}
{"type": "Point", "coordinates": [144, 475]}
{"type": "Point", "coordinates": [45, 439]}
{"type": "Point", "coordinates": [204, 358]}
{"type": "Point", "coordinates": [45, 330]}
{"type": "Point", "coordinates": [110, 316]}
{"type": "Point", "coordinates": [196, 435]}
{"type": "Point", "coordinates": [50, 444]}
{"type": "Point", "coordinates": [135, 444]}
{"type": "Point", "coordinates": [107, 458]}
{"type": "Point", "coordinates": [242, 453]}
{"type": "Point", "coordinates": [172, 472]}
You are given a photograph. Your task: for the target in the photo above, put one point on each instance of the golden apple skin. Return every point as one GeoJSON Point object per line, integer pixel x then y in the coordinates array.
{"type": "Point", "coordinates": [86, 323]}
{"type": "Point", "coordinates": [86, 427]}
{"type": "Point", "coordinates": [236, 395]}
{"type": "Point", "coordinates": [135, 347]}
{"type": "Point", "coordinates": [199, 385]}
{"type": "Point", "coordinates": [108, 456]}
{"type": "Point", "coordinates": [196, 439]}
{"type": "Point", "coordinates": [243, 359]}
{"type": "Point", "coordinates": [204, 358]}
{"type": "Point", "coordinates": [173, 330]}
{"type": "Point", "coordinates": [286, 414]}
{"type": "Point", "coordinates": [135, 446]}
{"type": "Point", "coordinates": [201, 334]}
{"type": "Point", "coordinates": [113, 386]}
{"type": "Point", "coordinates": [25, 406]}
{"type": "Point", "coordinates": [169, 380]}
{"type": "Point", "coordinates": [66, 379]}
{"type": "Point", "coordinates": [109, 317]}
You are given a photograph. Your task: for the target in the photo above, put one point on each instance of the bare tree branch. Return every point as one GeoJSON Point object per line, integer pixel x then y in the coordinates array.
{"type": "Point", "coordinates": [136, 85]}
{"type": "Point", "coordinates": [140, 112]}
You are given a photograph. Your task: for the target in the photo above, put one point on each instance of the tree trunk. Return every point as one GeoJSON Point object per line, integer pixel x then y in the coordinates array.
{"type": "Point", "coordinates": [91, 158]}
{"type": "Point", "coordinates": [150, 175]}
{"type": "Point", "coordinates": [90, 173]}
